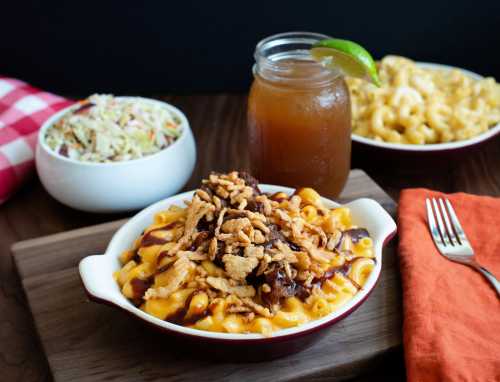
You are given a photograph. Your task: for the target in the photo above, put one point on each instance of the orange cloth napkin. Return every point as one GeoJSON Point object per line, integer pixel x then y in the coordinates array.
{"type": "Point", "coordinates": [451, 329]}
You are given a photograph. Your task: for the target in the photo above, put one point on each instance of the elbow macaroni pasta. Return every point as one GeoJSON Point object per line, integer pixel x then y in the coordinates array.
{"type": "Point", "coordinates": [186, 286]}
{"type": "Point", "coordinates": [417, 105]}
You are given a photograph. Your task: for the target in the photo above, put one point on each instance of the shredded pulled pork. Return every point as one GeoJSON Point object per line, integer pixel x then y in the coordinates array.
{"type": "Point", "coordinates": [176, 276]}
{"type": "Point", "coordinates": [223, 285]}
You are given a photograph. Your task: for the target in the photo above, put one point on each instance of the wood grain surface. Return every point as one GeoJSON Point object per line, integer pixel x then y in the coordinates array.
{"type": "Point", "coordinates": [89, 342]}
{"type": "Point", "coordinates": [218, 122]}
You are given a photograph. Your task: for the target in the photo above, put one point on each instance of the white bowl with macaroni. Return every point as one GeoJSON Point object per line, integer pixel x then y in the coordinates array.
{"type": "Point", "coordinates": [128, 183]}
{"type": "Point", "coordinates": [97, 276]}
{"type": "Point", "coordinates": [465, 127]}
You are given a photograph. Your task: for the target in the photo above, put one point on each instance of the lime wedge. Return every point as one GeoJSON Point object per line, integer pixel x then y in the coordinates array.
{"type": "Point", "coordinates": [347, 57]}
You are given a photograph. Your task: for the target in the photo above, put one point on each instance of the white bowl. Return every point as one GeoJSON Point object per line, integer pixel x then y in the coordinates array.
{"type": "Point", "coordinates": [457, 146]}
{"type": "Point", "coordinates": [117, 186]}
{"type": "Point", "coordinates": [97, 271]}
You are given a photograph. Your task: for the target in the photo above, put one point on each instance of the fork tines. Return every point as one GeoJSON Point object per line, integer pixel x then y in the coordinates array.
{"type": "Point", "coordinates": [448, 230]}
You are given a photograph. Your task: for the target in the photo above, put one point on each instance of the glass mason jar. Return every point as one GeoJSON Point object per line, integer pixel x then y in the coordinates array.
{"type": "Point", "coordinates": [299, 117]}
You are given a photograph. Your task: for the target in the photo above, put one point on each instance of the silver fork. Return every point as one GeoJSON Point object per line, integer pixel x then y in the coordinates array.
{"type": "Point", "coordinates": [450, 238]}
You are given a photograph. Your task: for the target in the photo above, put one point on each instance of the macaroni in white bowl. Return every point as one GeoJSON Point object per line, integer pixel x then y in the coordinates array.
{"type": "Point", "coordinates": [423, 104]}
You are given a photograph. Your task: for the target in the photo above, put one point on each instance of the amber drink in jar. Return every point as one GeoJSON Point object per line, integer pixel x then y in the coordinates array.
{"type": "Point", "coordinates": [299, 117]}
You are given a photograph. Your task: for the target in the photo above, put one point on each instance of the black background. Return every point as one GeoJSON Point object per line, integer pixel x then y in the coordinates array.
{"type": "Point", "coordinates": [81, 47]}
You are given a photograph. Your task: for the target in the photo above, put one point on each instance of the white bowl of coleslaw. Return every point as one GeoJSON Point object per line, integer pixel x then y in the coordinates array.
{"type": "Point", "coordinates": [120, 185]}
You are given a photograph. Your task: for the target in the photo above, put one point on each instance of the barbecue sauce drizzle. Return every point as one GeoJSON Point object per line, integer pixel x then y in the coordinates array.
{"type": "Point", "coordinates": [148, 239]}
{"type": "Point", "coordinates": [179, 317]}
{"type": "Point", "coordinates": [342, 269]}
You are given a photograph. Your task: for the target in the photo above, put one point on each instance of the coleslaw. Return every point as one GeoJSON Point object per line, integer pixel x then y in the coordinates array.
{"type": "Point", "coordinates": [108, 129]}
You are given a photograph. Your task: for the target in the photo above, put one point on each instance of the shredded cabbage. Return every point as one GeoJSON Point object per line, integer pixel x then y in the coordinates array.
{"type": "Point", "coordinates": [109, 129]}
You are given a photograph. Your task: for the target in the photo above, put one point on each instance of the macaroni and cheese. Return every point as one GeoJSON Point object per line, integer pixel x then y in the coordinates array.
{"type": "Point", "coordinates": [417, 105]}
{"type": "Point", "coordinates": [237, 260]}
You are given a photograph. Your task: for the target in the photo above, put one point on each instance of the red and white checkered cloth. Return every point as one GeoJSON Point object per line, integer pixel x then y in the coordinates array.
{"type": "Point", "coordinates": [23, 110]}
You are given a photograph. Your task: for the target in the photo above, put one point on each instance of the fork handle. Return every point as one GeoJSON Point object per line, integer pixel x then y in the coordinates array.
{"type": "Point", "coordinates": [489, 276]}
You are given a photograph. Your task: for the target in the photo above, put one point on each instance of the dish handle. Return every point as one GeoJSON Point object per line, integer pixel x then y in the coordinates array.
{"type": "Point", "coordinates": [95, 272]}
{"type": "Point", "coordinates": [379, 222]}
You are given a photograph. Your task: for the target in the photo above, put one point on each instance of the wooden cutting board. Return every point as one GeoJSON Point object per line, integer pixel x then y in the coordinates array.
{"type": "Point", "coordinates": [85, 341]}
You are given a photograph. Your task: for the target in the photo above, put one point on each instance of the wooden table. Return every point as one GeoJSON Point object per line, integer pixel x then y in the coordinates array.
{"type": "Point", "coordinates": [219, 125]}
